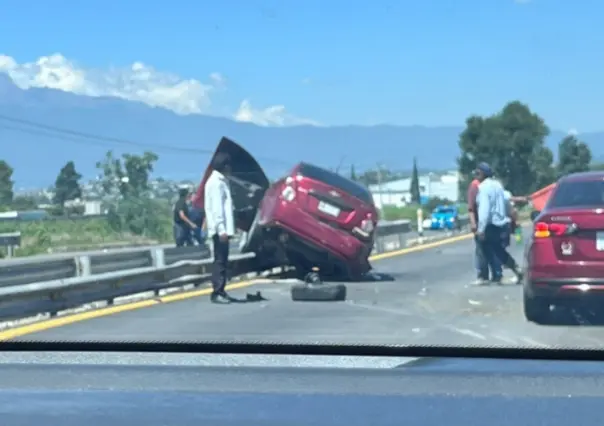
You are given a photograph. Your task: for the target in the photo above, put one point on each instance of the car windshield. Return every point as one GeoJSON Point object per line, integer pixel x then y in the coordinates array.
{"type": "Point", "coordinates": [149, 158]}
{"type": "Point", "coordinates": [588, 193]}
{"type": "Point", "coordinates": [336, 181]}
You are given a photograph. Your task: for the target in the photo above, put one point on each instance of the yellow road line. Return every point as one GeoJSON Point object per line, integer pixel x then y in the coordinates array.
{"type": "Point", "coordinates": [421, 247]}
{"type": "Point", "coordinates": [83, 316]}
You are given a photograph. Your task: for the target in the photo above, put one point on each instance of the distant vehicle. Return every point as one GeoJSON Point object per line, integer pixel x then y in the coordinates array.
{"type": "Point", "coordinates": [564, 256]}
{"type": "Point", "coordinates": [310, 218]}
{"type": "Point", "coordinates": [445, 217]}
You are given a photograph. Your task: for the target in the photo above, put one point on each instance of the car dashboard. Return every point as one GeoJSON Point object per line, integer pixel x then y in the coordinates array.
{"type": "Point", "coordinates": [278, 390]}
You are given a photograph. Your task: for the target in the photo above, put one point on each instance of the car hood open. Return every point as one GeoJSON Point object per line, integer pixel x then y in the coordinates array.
{"type": "Point", "coordinates": [247, 181]}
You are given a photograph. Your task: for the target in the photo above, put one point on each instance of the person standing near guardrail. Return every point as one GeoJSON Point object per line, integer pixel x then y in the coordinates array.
{"type": "Point", "coordinates": [493, 228]}
{"type": "Point", "coordinates": [482, 266]}
{"type": "Point", "coordinates": [199, 219]}
{"type": "Point", "coordinates": [220, 221]}
{"type": "Point", "coordinates": [182, 223]}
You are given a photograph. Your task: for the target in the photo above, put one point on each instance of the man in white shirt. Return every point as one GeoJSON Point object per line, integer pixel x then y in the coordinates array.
{"type": "Point", "coordinates": [220, 222]}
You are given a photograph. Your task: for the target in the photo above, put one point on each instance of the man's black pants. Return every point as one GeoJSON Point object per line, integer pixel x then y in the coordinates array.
{"type": "Point", "coordinates": [221, 263]}
{"type": "Point", "coordinates": [494, 248]}
{"type": "Point", "coordinates": [482, 265]}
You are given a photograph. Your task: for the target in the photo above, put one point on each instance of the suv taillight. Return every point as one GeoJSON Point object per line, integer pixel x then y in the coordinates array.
{"type": "Point", "coordinates": [546, 230]}
{"type": "Point", "coordinates": [367, 226]}
{"type": "Point", "coordinates": [288, 193]}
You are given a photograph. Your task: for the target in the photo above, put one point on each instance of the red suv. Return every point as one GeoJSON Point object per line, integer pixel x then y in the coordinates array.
{"type": "Point", "coordinates": [565, 254]}
{"type": "Point", "coordinates": [311, 218]}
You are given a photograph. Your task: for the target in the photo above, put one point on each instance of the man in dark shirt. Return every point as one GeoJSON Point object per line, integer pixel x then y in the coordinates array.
{"type": "Point", "coordinates": [482, 266]}
{"type": "Point", "coordinates": [183, 225]}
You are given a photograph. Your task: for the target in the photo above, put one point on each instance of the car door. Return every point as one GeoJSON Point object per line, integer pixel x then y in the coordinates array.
{"type": "Point", "coordinates": [248, 183]}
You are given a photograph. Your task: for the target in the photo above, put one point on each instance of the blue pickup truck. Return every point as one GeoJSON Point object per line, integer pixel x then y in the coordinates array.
{"type": "Point", "coordinates": [445, 217]}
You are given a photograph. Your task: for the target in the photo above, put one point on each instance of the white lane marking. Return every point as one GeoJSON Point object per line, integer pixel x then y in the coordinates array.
{"type": "Point", "coordinates": [467, 332]}
{"type": "Point", "coordinates": [394, 311]}
{"type": "Point", "coordinates": [535, 342]}
{"type": "Point", "coordinates": [505, 339]}
{"type": "Point", "coordinates": [401, 312]}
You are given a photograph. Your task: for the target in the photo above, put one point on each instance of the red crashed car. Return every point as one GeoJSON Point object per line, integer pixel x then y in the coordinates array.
{"type": "Point", "coordinates": [311, 218]}
{"type": "Point", "coordinates": [564, 256]}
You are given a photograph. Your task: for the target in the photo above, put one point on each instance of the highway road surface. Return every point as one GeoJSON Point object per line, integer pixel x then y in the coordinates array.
{"type": "Point", "coordinates": [425, 296]}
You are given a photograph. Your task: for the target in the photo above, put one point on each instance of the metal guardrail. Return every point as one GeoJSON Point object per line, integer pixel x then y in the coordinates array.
{"type": "Point", "coordinates": [28, 270]}
{"type": "Point", "coordinates": [31, 286]}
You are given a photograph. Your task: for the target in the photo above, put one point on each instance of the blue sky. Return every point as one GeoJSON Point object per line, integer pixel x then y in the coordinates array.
{"type": "Point", "coordinates": [400, 62]}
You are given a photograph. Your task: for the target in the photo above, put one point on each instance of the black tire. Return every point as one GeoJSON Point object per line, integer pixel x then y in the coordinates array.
{"type": "Point", "coordinates": [537, 309]}
{"type": "Point", "coordinates": [318, 292]}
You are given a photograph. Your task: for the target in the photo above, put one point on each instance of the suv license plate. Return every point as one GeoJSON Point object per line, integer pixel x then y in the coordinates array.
{"type": "Point", "coordinates": [329, 209]}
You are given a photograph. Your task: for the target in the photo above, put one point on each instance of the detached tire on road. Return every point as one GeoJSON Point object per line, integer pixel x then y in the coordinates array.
{"type": "Point", "coordinates": [318, 292]}
{"type": "Point", "coordinates": [536, 309]}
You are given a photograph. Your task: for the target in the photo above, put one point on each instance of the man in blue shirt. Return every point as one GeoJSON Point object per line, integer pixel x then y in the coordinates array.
{"type": "Point", "coordinates": [493, 229]}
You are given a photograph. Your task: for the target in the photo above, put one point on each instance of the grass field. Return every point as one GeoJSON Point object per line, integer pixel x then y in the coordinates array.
{"type": "Point", "coordinates": [56, 236]}
{"type": "Point", "coordinates": [410, 212]}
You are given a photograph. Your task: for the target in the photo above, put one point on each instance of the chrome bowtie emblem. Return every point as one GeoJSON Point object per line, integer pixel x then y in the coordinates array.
{"type": "Point", "coordinates": [334, 193]}
{"type": "Point", "coordinates": [566, 248]}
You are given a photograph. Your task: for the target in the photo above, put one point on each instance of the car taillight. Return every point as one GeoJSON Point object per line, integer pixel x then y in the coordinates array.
{"type": "Point", "coordinates": [545, 230]}
{"type": "Point", "coordinates": [288, 194]}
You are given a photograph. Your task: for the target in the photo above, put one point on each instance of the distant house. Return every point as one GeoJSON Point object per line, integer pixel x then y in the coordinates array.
{"type": "Point", "coordinates": [396, 193]}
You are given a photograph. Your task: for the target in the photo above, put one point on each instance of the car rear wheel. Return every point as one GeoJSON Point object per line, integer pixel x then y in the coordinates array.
{"type": "Point", "coordinates": [536, 309]}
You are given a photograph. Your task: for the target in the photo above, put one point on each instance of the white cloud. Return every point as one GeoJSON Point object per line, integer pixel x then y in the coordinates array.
{"type": "Point", "coordinates": [275, 115]}
{"type": "Point", "coordinates": [137, 82]}
{"type": "Point", "coordinates": [218, 79]}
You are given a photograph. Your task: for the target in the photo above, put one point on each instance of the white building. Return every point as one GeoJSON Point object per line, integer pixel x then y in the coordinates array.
{"type": "Point", "coordinates": [396, 193]}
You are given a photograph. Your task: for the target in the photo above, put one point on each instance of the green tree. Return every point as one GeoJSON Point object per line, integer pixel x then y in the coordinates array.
{"type": "Point", "coordinates": [127, 176]}
{"type": "Point", "coordinates": [545, 172]}
{"type": "Point", "coordinates": [512, 141]}
{"type": "Point", "coordinates": [472, 151]}
{"type": "Point", "coordinates": [6, 184]}
{"type": "Point", "coordinates": [67, 185]}
{"type": "Point", "coordinates": [128, 199]}
{"type": "Point", "coordinates": [353, 173]}
{"type": "Point", "coordinates": [414, 188]}
{"type": "Point", "coordinates": [24, 202]}
{"type": "Point", "coordinates": [573, 156]}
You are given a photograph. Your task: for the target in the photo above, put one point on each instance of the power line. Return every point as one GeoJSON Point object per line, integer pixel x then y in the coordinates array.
{"type": "Point", "coordinates": [46, 130]}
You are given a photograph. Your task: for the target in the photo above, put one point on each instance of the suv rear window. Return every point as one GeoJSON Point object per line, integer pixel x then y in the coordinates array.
{"type": "Point", "coordinates": [578, 194]}
{"type": "Point", "coordinates": [337, 181]}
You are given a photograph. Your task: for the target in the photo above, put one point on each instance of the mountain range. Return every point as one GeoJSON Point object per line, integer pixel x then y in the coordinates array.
{"type": "Point", "coordinates": [41, 129]}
